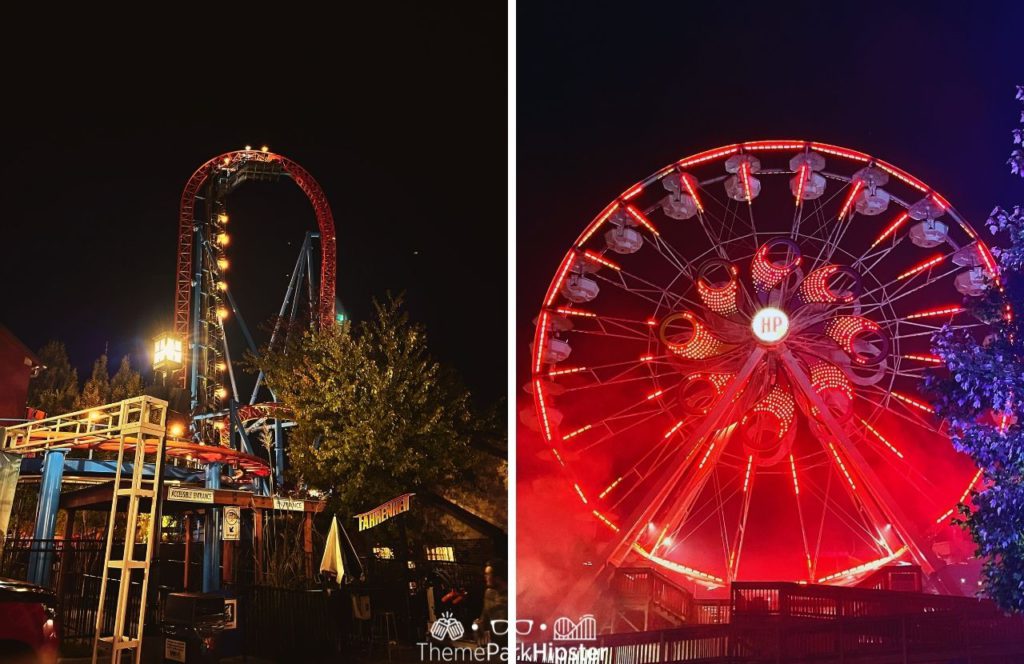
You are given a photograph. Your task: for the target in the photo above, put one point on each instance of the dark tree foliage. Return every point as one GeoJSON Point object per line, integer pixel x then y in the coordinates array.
{"type": "Point", "coordinates": [980, 397]}
{"type": "Point", "coordinates": [378, 416]}
{"type": "Point", "coordinates": [96, 390]}
{"type": "Point", "coordinates": [126, 383]}
{"type": "Point", "coordinates": [55, 389]}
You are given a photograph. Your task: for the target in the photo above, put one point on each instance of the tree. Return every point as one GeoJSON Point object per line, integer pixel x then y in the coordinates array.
{"type": "Point", "coordinates": [55, 389]}
{"type": "Point", "coordinates": [96, 390]}
{"type": "Point", "coordinates": [980, 396]}
{"type": "Point", "coordinates": [127, 382]}
{"type": "Point", "coordinates": [377, 416]}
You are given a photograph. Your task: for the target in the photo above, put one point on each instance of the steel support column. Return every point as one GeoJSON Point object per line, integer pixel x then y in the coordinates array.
{"type": "Point", "coordinates": [211, 535]}
{"type": "Point", "coordinates": [41, 557]}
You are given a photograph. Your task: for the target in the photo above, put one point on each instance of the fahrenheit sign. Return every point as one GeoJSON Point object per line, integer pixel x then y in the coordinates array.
{"type": "Point", "coordinates": [770, 325]}
{"type": "Point", "coordinates": [379, 515]}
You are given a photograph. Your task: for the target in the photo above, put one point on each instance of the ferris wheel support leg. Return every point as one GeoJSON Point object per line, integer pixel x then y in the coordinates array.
{"type": "Point", "coordinates": [710, 424]}
{"type": "Point", "coordinates": [883, 500]}
{"type": "Point", "coordinates": [614, 554]}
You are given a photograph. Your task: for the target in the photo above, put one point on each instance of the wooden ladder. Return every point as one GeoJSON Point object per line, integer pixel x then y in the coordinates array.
{"type": "Point", "coordinates": [147, 440]}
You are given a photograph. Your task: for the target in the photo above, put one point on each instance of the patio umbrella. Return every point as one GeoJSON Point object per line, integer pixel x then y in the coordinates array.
{"type": "Point", "coordinates": [332, 561]}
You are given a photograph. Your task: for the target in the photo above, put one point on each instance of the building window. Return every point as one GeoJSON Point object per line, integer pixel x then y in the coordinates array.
{"type": "Point", "coordinates": [383, 553]}
{"type": "Point", "coordinates": [445, 553]}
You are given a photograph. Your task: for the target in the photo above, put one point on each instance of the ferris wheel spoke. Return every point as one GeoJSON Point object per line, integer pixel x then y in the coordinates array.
{"type": "Point", "coordinates": [886, 404]}
{"type": "Point", "coordinates": [607, 423]}
{"type": "Point", "coordinates": [664, 452]}
{"type": "Point", "coordinates": [741, 528]}
{"type": "Point", "coordinates": [853, 518]}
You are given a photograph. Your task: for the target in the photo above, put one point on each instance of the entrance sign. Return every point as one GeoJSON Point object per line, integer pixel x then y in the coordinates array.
{"type": "Point", "coordinates": [770, 325]}
{"type": "Point", "coordinates": [183, 495]}
{"type": "Point", "coordinates": [379, 515]}
{"type": "Point", "coordinates": [289, 504]}
{"type": "Point", "coordinates": [232, 523]}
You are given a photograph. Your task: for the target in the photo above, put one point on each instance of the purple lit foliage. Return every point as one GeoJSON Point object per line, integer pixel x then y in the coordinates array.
{"type": "Point", "coordinates": [980, 397]}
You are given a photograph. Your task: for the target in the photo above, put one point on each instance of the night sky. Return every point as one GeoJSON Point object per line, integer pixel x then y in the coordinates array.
{"type": "Point", "coordinates": [401, 119]}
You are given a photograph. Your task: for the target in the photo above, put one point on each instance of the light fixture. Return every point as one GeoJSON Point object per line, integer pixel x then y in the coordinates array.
{"type": "Point", "coordinates": [167, 354]}
{"type": "Point", "coordinates": [222, 263]}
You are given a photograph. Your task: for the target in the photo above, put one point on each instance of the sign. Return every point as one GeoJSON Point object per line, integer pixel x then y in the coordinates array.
{"type": "Point", "coordinates": [379, 515]}
{"type": "Point", "coordinates": [174, 650]}
{"type": "Point", "coordinates": [184, 495]}
{"type": "Point", "coordinates": [770, 325]}
{"type": "Point", "coordinates": [231, 613]}
{"type": "Point", "coordinates": [232, 523]}
{"type": "Point", "coordinates": [289, 504]}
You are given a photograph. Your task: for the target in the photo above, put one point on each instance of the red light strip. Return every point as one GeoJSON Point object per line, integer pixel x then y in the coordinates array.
{"type": "Point", "coordinates": [746, 479]}
{"type": "Point", "coordinates": [890, 229]}
{"type": "Point", "coordinates": [633, 191]}
{"type": "Point", "coordinates": [745, 177]}
{"type": "Point", "coordinates": [706, 455]}
{"type": "Point", "coordinates": [857, 184]}
{"type": "Point", "coordinates": [599, 259]}
{"type": "Point", "coordinates": [842, 466]}
{"type": "Point", "coordinates": [676, 567]}
{"type": "Point", "coordinates": [774, 145]}
{"type": "Point", "coordinates": [913, 402]}
{"type": "Point", "coordinates": [642, 220]}
{"type": "Point", "coordinates": [542, 328]}
{"type": "Point", "coordinates": [802, 175]}
{"type": "Point", "coordinates": [931, 262]}
{"type": "Point", "coordinates": [577, 432]}
{"type": "Point", "coordinates": [880, 437]}
{"type": "Point", "coordinates": [610, 487]}
{"type": "Point", "coordinates": [557, 286]}
{"type": "Point", "coordinates": [866, 567]}
{"type": "Point", "coordinates": [568, 370]}
{"type": "Point", "coordinates": [646, 358]}
{"type": "Point", "coordinates": [606, 521]}
{"type": "Point", "coordinates": [580, 492]}
{"type": "Point", "coordinates": [538, 391]}
{"type": "Point", "coordinates": [674, 429]}
{"type": "Point", "coordinates": [796, 485]}
{"type": "Point", "coordinates": [930, 359]}
{"type": "Point", "coordinates": [596, 224]}
{"type": "Point", "coordinates": [941, 311]}
{"type": "Point", "coordinates": [655, 395]}
{"type": "Point", "coordinates": [686, 178]}
{"type": "Point", "coordinates": [569, 311]}
{"type": "Point", "coordinates": [945, 516]}
{"type": "Point", "coordinates": [558, 457]}
{"type": "Point", "coordinates": [707, 156]}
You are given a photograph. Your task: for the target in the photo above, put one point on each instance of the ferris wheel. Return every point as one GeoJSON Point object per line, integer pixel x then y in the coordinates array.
{"type": "Point", "coordinates": [728, 361]}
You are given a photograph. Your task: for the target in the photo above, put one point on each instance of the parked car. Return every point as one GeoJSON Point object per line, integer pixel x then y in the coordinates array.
{"type": "Point", "coordinates": [28, 623]}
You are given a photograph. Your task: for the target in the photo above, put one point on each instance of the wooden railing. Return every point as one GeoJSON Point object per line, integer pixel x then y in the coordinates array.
{"type": "Point", "coordinates": [758, 600]}
{"type": "Point", "coordinates": [925, 637]}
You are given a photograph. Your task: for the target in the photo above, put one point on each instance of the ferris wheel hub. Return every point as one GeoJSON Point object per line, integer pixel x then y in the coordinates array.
{"type": "Point", "coordinates": [770, 325]}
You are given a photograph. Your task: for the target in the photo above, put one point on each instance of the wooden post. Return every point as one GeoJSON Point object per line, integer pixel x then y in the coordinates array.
{"type": "Point", "coordinates": [307, 543]}
{"type": "Point", "coordinates": [257, 541]}
{"type": "Point", "coordinates": [188, 546]}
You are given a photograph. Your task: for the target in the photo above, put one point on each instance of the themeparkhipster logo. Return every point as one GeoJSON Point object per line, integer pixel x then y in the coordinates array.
{"type": "Point", "coordinates": [448, 630]}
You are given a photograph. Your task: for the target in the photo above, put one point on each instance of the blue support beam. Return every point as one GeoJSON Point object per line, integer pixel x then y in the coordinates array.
{"type": "Point", "coordinates": [40, 559]}
{"type": "Point", "coordinates": [211, 536]}
{"type": "Point", "coordinates": [278, 455]}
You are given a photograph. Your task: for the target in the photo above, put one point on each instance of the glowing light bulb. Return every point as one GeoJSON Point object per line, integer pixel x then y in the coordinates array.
{"type": "Point", "coordinates": [177, 429]}
{"type": "Point", "coordinates": [222, 263]}
{"type": "Point", "coordinates": [222, 285]}
{"type": "Point", "coordinates": [264, 149]}
{"type": "Point", "coordinates": [223, 239]}
{"type": "Point", "coordinates": [222, 313]}
{"type": "Point", "coordinates": [221, 392]}
{"type": "Point", "coordinates": [222, 218]}
{"type": "Point", "coordinates": [221, 366]}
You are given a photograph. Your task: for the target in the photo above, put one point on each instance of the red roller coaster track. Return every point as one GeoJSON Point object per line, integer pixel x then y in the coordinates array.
{"type": "Point", "coordinates": [230, 161]}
